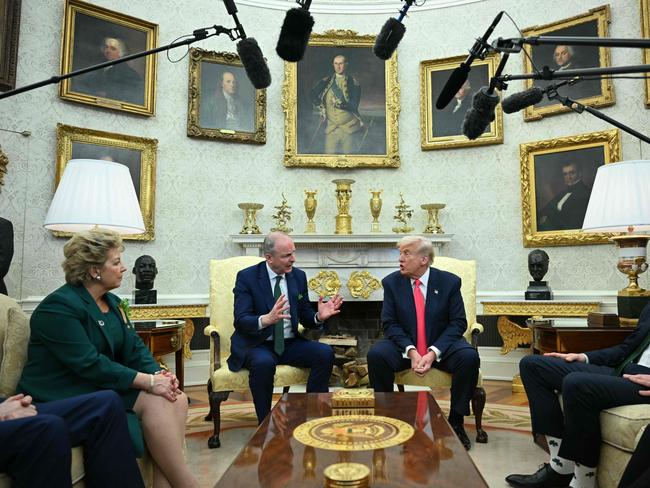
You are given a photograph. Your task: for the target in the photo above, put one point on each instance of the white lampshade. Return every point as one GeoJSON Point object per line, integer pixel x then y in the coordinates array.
{"type": "Point", "coordinates": [95, 193]}
{"type": "Point", "coordinates": [620, 198]}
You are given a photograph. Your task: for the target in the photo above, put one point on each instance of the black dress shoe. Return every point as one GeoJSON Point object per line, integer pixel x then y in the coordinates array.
{"type": "Point", "coordinates": [545, 477]}
{"type": "Point", "coordinates": [462, 436]}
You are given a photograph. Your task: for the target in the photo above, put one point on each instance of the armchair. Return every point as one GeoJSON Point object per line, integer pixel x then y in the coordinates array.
{"type": "Point", "coordinates": [221, 380]}
{"type": "Point", "coordinates": [436, 378]}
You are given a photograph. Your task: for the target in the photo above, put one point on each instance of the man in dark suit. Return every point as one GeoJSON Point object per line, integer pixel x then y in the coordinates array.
{"type": "Point", "coordinates": [224, 108]}
{"type": "Point", "coordinates": [589, 382]}
{"type": "Point", "coordinates": [6, 250]}
{"type": "Point", "coordinates": [35, 441]}
{"type": "Point", "coordinates": [424, 320]}
{"type": "Point", "coordinates": [567, 208]}
{"type": "Point", "coordinates": [270, 299]}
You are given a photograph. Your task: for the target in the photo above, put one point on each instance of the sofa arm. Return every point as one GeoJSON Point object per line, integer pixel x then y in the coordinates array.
{"type": "Point", "coordinates": [472, 332]}
{"type": "Point", "coordinates": [215, 347]}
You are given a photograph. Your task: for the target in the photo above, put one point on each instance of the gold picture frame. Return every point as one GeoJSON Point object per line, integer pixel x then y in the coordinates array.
{"type": "Point", "coordinates": [366, 108]}
{"type": "Point", "coordinates": [595, 93]}
{"type": "Point", "coordinates": [213, 76]}
{"type": "Point", "coordinates": [645, 33]}
{"type": "Point", "coordinates": [93, 35]}
{"type": "Point", "coordinates": [442, 129]}
{"type": "Point", "coordinates": [4, 162]}
{"type": "Point", "coordinates": [9, 29]}
{"type": "Point", "coordinates": [556, 180]}
{"type": "Point", "coordinates": [137, 153]}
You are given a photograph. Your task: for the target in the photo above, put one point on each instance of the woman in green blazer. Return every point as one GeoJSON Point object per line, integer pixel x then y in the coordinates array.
{"type": "Point", "coordinates": [82, 341]}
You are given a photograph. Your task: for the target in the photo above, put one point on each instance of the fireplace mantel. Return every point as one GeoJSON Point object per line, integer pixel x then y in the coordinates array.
{"type": "Point", "coordinates": [364, 258]}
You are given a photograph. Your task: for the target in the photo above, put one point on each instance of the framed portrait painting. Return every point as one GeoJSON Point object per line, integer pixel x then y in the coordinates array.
{"type": "Point", "coordinates": [556, 180]}
{"type": "Point", "coordinates": [442, 129]}
{"type": "Point", "coordinates": [136, 153]}
{"type": "Point", "coordinates": [341, 104]}
{"type": "Point", "coordinates": [9, 28]}
{"type": "Point", "coordinates": [593, 92]}
{"type": "Point", "coordinates": [645, 33]}
{"type": "Point", "coordinates": [93, 35]}
{"type": "Point", "coordinates": [222, 102]}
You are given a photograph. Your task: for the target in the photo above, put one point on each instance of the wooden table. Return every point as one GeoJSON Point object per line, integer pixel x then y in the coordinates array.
{"type": "Point", "coordinates": [432, 457]}
{"type": "Point", "coordinates": [164, 337]}
{"type": "Point", "coordinates": [577, 339]}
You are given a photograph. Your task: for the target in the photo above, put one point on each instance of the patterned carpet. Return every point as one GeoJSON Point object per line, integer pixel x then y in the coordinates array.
{"type": "Point", "coordinates": [236, 414]}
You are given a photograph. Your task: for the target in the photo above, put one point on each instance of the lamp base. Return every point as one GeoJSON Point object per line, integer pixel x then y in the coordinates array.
{"type": "Point", "coordinates": [630, 307]}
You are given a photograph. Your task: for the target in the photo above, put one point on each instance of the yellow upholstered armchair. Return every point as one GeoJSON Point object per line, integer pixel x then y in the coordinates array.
{"type": "Point", "coordinates": [436, 378]}
{"type": "Point", "coordinates": [221, 380]}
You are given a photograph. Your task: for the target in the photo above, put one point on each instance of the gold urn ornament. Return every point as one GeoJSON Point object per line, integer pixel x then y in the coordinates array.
{"type": "Point", "coordinates": [310, 208]}
{"type": "Point", "coordinates": [250, 211]}
{"type": "Point", "coordinates": [433, 223]}
{"type": "Point", "coordinates": [375, 209]}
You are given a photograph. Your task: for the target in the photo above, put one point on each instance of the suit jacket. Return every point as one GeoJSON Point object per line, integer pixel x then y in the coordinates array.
{"type": "Point", "coordinates": [573, 210]}
{"type": "Point", "coordinates": [118, 82]}
{"type": "Point", "coordinates": [63, 358]}
{"type": "Point", "coordinates": [446, 122]}
{"type": "Point", "coordinates": [444, 314]}
{"type": "Point", "coordinates": [613, 356]}
{"type": "Point", "coordinates": [6, 250]}
{"type": "Point", "coordinates": [318, 91]}
{"type": "Point", "coordinates": [254, 297]}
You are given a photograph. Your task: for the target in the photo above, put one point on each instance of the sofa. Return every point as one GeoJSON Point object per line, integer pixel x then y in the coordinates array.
{"type": "Point", "coordinates": [621, 429]}
{"type": "Point", "coordinates": [14, 337]}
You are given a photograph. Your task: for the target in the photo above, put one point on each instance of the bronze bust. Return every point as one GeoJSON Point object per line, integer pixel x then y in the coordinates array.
{"type": "Point", "coordinates": [145, 272]}
{"type": "Point", "coordinates": [537, 267]}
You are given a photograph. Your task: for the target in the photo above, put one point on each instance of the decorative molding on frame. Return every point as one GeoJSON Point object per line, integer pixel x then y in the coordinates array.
{"type": "Point", "coordinates": [362, 7]}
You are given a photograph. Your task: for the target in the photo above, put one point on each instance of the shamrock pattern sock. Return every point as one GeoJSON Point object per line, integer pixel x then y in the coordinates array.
{"type": "Point", "coordinates": [558, 464]}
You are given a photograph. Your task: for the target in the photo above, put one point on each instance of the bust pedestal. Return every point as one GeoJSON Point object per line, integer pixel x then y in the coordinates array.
{"type": "Point", "coordinates": [145, 296]}
{"type": "Point", "coordinates": [538, 290]}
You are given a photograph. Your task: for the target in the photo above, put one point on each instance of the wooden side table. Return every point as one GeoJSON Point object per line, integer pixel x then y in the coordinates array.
{"type": "Point", "coordinates": [164, 337]}
{"type": "Point", "coordinates": [185, 311]}
{"type": "Point", "coordinates": [577, 339]}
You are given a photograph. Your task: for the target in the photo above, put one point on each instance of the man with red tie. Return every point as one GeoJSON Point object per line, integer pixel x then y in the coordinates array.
{"type": "Point", "coordinates": [424, 320]}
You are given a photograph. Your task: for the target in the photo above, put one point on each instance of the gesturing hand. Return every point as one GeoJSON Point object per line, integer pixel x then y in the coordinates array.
{"type": "Point", "coordinates": [330, 307]}
{"type": "Point", "coordinates": [277, 312]}
{"type": "Point", "coordinates": [569, 358]}
{"type": "Point", "coordinates": [640, 379]}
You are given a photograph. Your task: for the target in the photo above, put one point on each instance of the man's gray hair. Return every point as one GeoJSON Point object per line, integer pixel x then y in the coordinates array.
{"type": "Point", "coordinates": [268, 246]}
{"type": "Point", "coordinates": [424, 247]}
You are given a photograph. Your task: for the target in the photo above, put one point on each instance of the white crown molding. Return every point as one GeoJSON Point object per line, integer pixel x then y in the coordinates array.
{"type": "Point", "coordinates": [362, 7]}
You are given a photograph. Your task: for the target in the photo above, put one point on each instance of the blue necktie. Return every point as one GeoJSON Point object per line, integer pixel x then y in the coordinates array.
{"type": "Point", "coordinates": [278, 328]}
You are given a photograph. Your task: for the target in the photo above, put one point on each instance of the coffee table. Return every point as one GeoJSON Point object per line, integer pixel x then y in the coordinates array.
{"type": "Point", "coordinates": [433, 456]}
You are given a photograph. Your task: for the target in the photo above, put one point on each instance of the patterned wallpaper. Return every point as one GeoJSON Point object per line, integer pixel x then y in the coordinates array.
{"type": "Point", "coordinates": [200, 182]}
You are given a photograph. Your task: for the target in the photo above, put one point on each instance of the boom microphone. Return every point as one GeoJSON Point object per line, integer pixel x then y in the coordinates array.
{"type": "Point", "coordinates": [459, 75]}
{"type": "Point", "coordinates": [479, 117]}
{"type": "Point", "coordinates": [519, 101]}
{"type": "Point", "coordinates": [295, 32]}
{"type": "Point", "coordinates": [250, 53]}
{"type": "Point", "coordinates": [391, 34]}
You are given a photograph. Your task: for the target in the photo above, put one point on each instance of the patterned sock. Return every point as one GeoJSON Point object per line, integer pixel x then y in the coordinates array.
{"type": "Point", "coordinates": [584, 477]}
{"type": "Point", "coordinates": [558, 464]}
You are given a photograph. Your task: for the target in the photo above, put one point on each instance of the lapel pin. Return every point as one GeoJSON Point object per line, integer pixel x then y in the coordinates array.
{"type": "Point", "coordinates": [101, 323]}
{"type": "Point", "coordinates": [435, 291]}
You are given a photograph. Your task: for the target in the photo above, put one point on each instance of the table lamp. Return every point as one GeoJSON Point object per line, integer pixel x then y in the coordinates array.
{"type": "Point", "coordinates": [620, 202]}
{"type": "Point", "coordinates": [94, 193]}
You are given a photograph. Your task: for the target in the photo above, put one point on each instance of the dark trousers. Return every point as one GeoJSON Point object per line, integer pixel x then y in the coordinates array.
{"type": "Point", "coordinates": [261, 361]}
{"type": "Point", "coordinates": [35, 451]}
{"type": "Point", "coordinates": [385, 359]}
{"type": "Point", "coordinates": [637, 472]}
{"type": "Point", "coordinates": [586, 390]}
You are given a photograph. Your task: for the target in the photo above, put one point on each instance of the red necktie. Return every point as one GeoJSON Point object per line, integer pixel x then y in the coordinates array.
{"type": "Point", "coordinates": [421, 345]}
{"type": "Point", "coordinates": [421, 410]}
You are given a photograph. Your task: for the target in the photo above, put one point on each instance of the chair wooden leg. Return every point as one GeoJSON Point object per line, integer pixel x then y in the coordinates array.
{"type": "Point", "coordinates": [208, 417]}
{"type": "Point", "coordinates": [285, 389]}
{"type": "Point", "coordinates": [478, 404]}
{"type": "Point", "coordinates": [400, 388]}
{"type": "Point", "coordinates": [215, 411]}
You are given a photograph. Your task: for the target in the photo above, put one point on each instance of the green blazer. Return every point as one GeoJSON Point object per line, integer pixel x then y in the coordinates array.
{"type": "Point", "coordinates": [64, 358]}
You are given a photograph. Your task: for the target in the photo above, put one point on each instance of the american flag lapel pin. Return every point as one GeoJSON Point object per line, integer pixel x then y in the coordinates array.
{"type": "Point", "coordinates": [435, 291]}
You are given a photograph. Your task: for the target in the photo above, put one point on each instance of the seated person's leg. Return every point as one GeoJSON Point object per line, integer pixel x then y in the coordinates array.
{"type": "Point", "coordinates": [260, 362]}
{"type": "Point", "coordinates": [35, 451]}
{"type": "Point", "coordinates": [314, 355]}
{"type": "Point", "coordinates": [463, 366]}
{"type": "Point", "coordinates": [384, 360]}
{"type": "Point", "coordinates": [97, 421]}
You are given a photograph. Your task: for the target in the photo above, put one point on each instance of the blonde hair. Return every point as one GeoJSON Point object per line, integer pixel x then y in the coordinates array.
{"type": "Point", "coordinates": [423, 246]}
{"type": "Point", "coordinates": [87, 249]}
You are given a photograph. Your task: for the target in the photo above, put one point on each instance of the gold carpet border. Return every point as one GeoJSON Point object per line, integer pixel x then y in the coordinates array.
{"type": "Point", "coordinates": [353, 432]}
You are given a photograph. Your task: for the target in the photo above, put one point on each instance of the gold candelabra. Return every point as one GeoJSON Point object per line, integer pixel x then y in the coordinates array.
{"type": "Point", "coordinates": [282, 217]}
{"type": "Point", "coordinates": [403, 214]}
